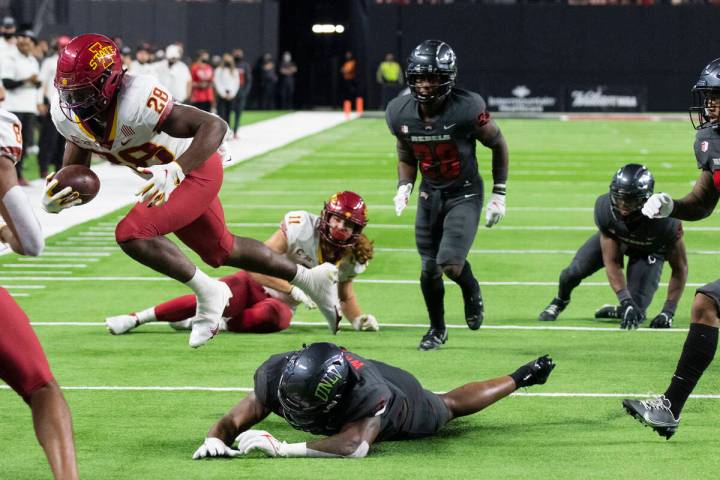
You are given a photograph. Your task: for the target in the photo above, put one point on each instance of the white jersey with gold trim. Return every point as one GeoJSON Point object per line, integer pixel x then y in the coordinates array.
{"type": "Point", "coordinates": [303, 241]}
{"type": "Point", "coordinates": [133, 139]}
{"type": "Point", "coordinates": [10, 136]}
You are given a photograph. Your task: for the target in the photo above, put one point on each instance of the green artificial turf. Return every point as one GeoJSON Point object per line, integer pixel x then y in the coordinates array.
{"type": "Point", "coordinates": [557, 169]}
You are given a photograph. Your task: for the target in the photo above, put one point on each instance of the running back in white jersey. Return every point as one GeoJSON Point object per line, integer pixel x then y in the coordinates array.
{"type": "Point", "coordinates": [303, 241]}
{"type": "Point", "coordinates": [10, 136]}
{"type": "Point", "coordinates": [134, 139]}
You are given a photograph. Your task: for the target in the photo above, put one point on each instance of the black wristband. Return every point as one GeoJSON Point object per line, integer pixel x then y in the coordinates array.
{"type": "Point", "coordinates": [669, 307]}
{"type": "Point", "coordinates": [623, 295]}
{"type": "Point", "coordinates": [499, 189]}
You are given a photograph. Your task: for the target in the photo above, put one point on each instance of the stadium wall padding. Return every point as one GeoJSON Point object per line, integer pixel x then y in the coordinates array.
{"type": "Point", "coordinates": [659, 49]}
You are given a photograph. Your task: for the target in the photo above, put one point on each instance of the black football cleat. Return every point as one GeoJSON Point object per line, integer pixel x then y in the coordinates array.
{"type": "Point", "coordinates": [433, 339]}
{"type": "Point", "coordinates": [552, 311]}
{"type": "Point", "coordinates": [474, 310]}
{"type": "Point", "coordinates": [535, 372]}
{"type": "Point", "coordinates": [654, 413]}
{"type": "Point", "coordinates": [607, 311]}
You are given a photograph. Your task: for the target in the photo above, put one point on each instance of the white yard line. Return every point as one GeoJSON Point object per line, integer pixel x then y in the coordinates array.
{"type": "Point", "coordinates": [407, 325]}
{"type": "Point", "coordinates": [359, 280]}
{"type": "Point", "coordinates": [40, 265]}
{"type": "Point", "coordinates": [188, 388]}
{"type": "Point", "coordinates": [400, 226]}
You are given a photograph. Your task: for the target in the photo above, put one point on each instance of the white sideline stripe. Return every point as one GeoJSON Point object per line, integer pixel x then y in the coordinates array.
{"type": "Point", "coordinates": [43, 258]}
{"type": "Point", "coordinates": [524, 252]}
{"type": "Point", "coordinates": [73, 254]}
{"type": "Point", "coordinates": [408, 325]}
{"type": "Point", "coordinates": [34, 272]}
{"type": "Point", "coordinates": [19, 294]}
{"type": "Point", "coordinates": [119, 183]}
{"type": "Point", "coordinates": [41, 265]}
{"type": "Point", "coordinates": [23, 287]}
{"type": "Point", "coordinates": [50, 250]}
{"type": "Point", "coordinates": [157, 388]}
{"type": "Point", "coordinates": [359, 280]}
{"type": "Point", "coordinates": [550, 228]}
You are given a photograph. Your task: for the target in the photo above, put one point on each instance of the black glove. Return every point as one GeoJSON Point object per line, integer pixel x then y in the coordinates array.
{"type": "Point", "coordinates": [663, 319]}
{"type": "Point", "coordinates": [630, 315]}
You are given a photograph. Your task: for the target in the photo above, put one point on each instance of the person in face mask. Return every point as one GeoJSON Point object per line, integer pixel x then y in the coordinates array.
{"type": "Point", "coordinates": [7, 39]}
{"type": "Point", "coordinates": [175, 74]}
{"type": "Point", "coordinates": [226, 85]}
{"type": "Point", "coordinates": [244, 73]}
{"type": "Point", "coordinates": [288, 69]}
{"type": "Point", "coordinates": [202, 95]}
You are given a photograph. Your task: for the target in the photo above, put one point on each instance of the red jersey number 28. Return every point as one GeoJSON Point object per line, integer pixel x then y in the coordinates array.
{"type": "Point", "coordinates": [437, 161]}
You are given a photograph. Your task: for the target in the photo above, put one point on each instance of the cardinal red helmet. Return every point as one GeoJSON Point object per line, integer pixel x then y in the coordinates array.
{"type": "Point", "coordinates": [350, 207]}
{"type": "Point", "coordinates": [89, 72]}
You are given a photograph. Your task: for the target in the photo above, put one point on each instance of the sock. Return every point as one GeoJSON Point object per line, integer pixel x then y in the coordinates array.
{"type": "Point", "coordinates": [467, 282]}
{"type": "Point", "coordinates": [176, 310]}
{"type": "Point", "coordinates": [522, 375]}
{"type": "Point", "coordinates": [697, 354]}
{"type": "Point", "coordinates": [434, 294]}
{"type": "Point", "coordinates": [200, 283]}
{"type": "Point", "coordinates": [147, 315]}
{"type": "Point", "coordinates": [301, 278]}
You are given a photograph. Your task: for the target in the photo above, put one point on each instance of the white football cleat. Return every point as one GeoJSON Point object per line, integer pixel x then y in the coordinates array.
{"type": "Point", "coordinates": [208, 315]}
{"type": "Point", "coordinates": [322, 288]}
{"type": "Point", "coordinates": [121, 324]}
{"type": "Point", "coordinates": [182, 324]}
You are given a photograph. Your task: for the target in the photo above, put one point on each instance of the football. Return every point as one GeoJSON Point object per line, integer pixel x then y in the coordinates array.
{"type": "Point", "coordinates": [81, 179]}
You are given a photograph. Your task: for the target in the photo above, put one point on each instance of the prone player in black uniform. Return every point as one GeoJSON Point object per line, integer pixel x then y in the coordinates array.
{"type": "Point", "coordinates": [625, 233]}
{"type": "Point", "coordinates": [437, 128]}
{"type": "Point", "coordinates": [326, 390]}
{"type": "Point", "coordinates": [662, 413]}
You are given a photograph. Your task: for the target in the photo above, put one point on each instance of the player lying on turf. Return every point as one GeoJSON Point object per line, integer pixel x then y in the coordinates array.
{"type": "Point", "coordinates": [132, 120]}
{"type": "Point", "coordinates": [23, 364]}
{"type": "Point", "coordinates": [262, 304]}
{"type": "Point", "coordinates": [647, 243]}
{"type": "Point", "coordinates": [326, 390]}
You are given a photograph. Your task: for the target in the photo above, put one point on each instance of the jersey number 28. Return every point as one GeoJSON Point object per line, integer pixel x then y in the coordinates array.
{"type": "Point", "coordinates": [439, 161]}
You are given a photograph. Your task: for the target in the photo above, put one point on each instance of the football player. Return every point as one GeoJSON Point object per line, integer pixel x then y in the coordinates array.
{"type": "Point", "coordinates": [263, 304]}
{"type": "Point", "coordinates": [326, 390]}
{"type": "Point", "coordinates": [132, 120]}
{"type": "Point", "coordinates": [624, 232]}
{"type": "Point", "coordinates": [23, 364]}
{"type": "Point", "coordinates": [662, 413]}
{"type": "Point", "coordinates": [436, 127]}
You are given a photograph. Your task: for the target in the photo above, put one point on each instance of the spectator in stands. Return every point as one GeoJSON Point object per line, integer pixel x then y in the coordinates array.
{"type": "Point", "coordinates": [51, 143]}
{"type": "Point", "coordinates": [268, 82]}
{"type": "Point", "coordinates": [20, 71]}
{"type": "Point", "coordinates": [244, 72]}
{"type": "Point", "coordinates": [389, 76]}
{"type": "Point", "coordinates": [174, 74]}
{"type": "Point", "coordinates": [288, 69]}
{"type": "Point", "coordinates": [126, 54]}
{"type": "Point", "coordinates": [142, 64]}
{"type": "Point", "coordinates": [7, 41]}
{"type": "Point", "coordinates": [227, 84]}
{"type": "Point", "coordinates": [349, 77]}
{"type": "Point", "coordinates": [202, 95]}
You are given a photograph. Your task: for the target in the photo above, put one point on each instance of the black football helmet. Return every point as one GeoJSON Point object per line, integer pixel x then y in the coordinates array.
{"type": "Point", "coordinates": [705, 107]}
{"type": "Point", "coordinates": [312, 383]}
{"type": "Point", "coordinates": [431, 58]}
{"type": "Point", "coordinates": [630, 188]}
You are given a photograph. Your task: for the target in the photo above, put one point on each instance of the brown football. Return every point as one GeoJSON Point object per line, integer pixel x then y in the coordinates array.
{"type": "Point", "coordinates": [81, 179]}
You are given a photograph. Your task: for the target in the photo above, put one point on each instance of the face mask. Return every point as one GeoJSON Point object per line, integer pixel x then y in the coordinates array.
{"type": "Point", "coordinates": [238, 58]}
{"type": "Point", "coordinates": [8, 36]}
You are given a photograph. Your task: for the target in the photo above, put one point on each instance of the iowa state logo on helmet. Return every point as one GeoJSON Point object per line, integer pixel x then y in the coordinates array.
{"type": "Point", "coordinates": [102, 55]}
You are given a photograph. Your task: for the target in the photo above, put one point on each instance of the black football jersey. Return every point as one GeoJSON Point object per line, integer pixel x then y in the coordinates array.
{"type": "Point", "coordinates": [642, 235]}
{"type": "Point", "coordinates": [707, 150]}
{"type": "Point", "coordinates": [443, 147]}
{"type": "Point", "coordinates": [376, 392]}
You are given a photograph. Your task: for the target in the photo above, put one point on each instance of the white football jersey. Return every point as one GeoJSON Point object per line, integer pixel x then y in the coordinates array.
{"type": "Point", "coordinates": [10, 136]}
{"type": "Point", "coordinates": [133, 139]}
{"type": "Point", "coordinates": [303, 240]}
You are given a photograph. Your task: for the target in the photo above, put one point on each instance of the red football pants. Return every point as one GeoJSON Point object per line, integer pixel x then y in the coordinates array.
{"type": "Point", "coordinates": [193, 213]}
{"type": "Point", "coordinates": [23, 364]}
{"type": "Point", "coordinates": [251, 310]}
